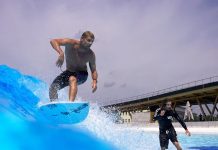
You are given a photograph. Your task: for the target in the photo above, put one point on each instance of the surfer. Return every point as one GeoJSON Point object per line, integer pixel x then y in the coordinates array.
{"type": "Point", "coordinates": [77, 54]}
{"type": "Point", "coordinates": [165, 115]}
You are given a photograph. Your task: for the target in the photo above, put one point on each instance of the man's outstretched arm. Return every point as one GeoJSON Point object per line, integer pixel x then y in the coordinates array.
{"type": "Point", "coordinates": [176, 116]}
{"type": "Point", "coordinates": [56, 43]}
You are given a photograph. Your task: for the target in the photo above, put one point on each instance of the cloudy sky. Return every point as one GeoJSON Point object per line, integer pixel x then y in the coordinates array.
{"type": "Point", "coordinates": [141, 46]}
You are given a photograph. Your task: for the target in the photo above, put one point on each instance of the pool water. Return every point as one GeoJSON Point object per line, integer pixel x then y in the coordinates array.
{"type": "Point", "coordinates": [22, 127]}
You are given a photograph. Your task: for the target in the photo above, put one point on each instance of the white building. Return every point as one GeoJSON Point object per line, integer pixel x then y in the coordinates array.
{"type": "Point", "coordinates": [126, 117]}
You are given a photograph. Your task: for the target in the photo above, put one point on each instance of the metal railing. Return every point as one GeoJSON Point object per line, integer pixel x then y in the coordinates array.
{"type": "Point", "coordinates": [164, 91]}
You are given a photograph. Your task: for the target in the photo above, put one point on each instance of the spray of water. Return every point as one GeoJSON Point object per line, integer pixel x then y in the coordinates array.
{"type": "Point", "coordinates": [102, 125]}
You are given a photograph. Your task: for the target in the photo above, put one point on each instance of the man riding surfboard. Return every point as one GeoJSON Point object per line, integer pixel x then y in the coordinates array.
{"type": "Point", "coordinates": [77, 54]}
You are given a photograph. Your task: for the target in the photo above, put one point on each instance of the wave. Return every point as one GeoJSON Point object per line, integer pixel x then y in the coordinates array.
{"type": "Point", "coordinates": [23, 127]}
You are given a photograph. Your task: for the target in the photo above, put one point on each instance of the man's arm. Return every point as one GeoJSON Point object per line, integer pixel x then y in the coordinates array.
{"type": "Point", "coordinates": [92, 65]}
{"type": "Point", "coordinates": [156, 114]}
{"type": "Point", "coordinates": [56, 43]}
{"type": "Point", "coordinates": [94, 76]}
{"type": "Point", "coordinates": [182, 123]}
{"type": "Point", "coordinates": [176, 116]}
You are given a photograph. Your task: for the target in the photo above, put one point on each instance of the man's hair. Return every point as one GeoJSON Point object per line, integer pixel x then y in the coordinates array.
{"type": "Point", "coordinates": [164, 101]}
{"type": "Point", "coordinates": [88, 33]}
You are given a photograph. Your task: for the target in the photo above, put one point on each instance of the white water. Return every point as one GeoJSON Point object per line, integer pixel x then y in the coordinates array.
{"type": "Point", "coordinates": [101, 125]}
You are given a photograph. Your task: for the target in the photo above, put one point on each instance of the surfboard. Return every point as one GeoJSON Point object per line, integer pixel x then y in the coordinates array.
{"type": "Point", "coordinates": [65, 112]}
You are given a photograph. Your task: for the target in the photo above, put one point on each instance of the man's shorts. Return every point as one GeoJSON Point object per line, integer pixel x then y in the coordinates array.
{"type": "Point", "coordinates": [166, 135]}
{"type": "Point", "coordinates": [62, 80]}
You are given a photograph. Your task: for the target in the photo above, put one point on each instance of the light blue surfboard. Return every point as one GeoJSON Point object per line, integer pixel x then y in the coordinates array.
{"type": "Point", "coordinates": [65, 112]}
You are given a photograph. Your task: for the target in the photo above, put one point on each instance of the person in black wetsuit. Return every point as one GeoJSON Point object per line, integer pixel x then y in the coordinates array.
{"type": "Point", "coordinates": [164, 116]}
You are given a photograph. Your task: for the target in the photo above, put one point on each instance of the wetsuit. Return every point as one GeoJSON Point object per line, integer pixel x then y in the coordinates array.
{"type": "Point", "coordinates": [167, 131]}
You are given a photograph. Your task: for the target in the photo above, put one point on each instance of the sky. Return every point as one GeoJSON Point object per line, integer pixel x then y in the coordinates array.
{"type": "Point", "coordinates": [141, 46]}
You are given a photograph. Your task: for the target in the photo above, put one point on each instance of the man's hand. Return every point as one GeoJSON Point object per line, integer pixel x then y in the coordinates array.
{"type": "Point", "coordinates": [156, 112]}
{"type": "Point", "coordinates": [94, 86]}
{"type": "Point", "coordinates": [60, 60]}
{"type": "Point", "coordinates": [187, 132]}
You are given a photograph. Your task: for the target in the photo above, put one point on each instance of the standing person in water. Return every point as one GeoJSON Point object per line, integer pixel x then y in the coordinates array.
{"type": "Point", "coordinates": [77, 54]}
{"type": "Point", "coordinates": [165, 115]}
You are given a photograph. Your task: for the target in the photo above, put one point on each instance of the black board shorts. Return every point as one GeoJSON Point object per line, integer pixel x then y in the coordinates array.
{"type": "Point", "coordinates": [62, 80]}
{"type": "Point", "coordinates": [166, 135]}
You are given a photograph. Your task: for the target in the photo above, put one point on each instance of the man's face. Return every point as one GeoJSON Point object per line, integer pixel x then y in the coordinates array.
{"type": "Point", "coordinates": [87, 42]}
{"type": "Point", "coordinates": [169, 105]}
